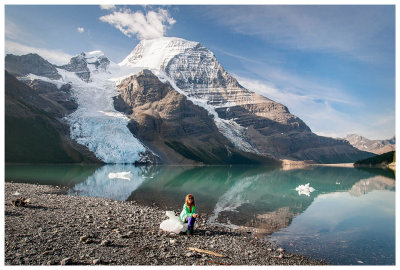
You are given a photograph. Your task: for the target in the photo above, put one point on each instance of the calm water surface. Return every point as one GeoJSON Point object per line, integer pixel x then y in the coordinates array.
{"type": "Point", "coordinates": [348, 219]}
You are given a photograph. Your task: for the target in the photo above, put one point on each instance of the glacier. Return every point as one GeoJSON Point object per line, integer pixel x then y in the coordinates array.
{"type": "Point", "coordinates": [96, 124]}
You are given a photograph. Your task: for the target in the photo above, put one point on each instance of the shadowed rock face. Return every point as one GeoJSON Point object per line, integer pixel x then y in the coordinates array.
{"type": "Point", "coordinates": [34, 131]}
{"type": "Point", "coordinates": [30, 63]}
{"type": "Point", "coordinates": [52, 94]}
{"type": "Point", "coordinates": [172, 125]}
{"type": "Point", "coordinates": [159, 110]}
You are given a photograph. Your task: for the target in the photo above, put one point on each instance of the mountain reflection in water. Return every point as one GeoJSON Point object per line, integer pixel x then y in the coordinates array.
{"type": "Point", "coordinates": [255, 198]}
{"type": "Point", "coordinates": [248, 196]}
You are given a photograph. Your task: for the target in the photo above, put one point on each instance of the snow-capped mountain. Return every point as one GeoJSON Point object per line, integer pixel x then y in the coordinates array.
{"type": "Point", "coordinates": [86, 65]}
{"type": "Point", "coordinates": [373, 146]}
{"type": "Point", "coordinates": [171, 100]}
{"type": "Point", "coordinates": [194, 71]}
{"type": "Point", "coordinates": [253, 123]}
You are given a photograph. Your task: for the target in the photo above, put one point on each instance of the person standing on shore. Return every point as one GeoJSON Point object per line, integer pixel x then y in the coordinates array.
{"type": "Point", "coordinates": [188, 213]}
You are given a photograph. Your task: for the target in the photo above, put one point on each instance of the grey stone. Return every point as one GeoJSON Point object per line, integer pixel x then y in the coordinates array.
{"type": "Point", "coordinates": [105, 242]}
{"type": "Point", "coordinates": [66, 261]}
{"type": "Point", "coordinates": [83, 238]}
{"type": "Point", "coordinates": [189, 254]}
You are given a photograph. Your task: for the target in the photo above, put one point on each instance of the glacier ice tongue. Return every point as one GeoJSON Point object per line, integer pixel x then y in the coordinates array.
{"type": "Point", "coordinates": [96, 124]}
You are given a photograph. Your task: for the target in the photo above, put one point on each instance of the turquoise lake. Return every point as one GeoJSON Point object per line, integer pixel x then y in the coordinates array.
{"type": "Point", "coordinates": [349, 218]}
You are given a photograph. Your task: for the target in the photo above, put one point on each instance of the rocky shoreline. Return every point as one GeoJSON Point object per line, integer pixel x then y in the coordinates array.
{"type": "Point", "coordinates": [54, 229]}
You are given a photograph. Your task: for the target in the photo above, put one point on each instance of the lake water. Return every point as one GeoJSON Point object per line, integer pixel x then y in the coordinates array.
{"type": "Point", "coordinates": [349, 218]}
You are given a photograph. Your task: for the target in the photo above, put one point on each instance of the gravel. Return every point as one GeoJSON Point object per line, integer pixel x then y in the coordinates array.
{"type": "Point", "coordinates": [58, 229]}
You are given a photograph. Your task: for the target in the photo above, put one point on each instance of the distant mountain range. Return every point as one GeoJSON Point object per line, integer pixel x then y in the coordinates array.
{"type": "Point", "coordinates": [169, 101]}
{"type": "Point", "coordinates": [373, 146]}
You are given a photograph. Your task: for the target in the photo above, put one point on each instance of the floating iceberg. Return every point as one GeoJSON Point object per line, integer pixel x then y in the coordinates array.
{"type": "Point", "coordinates": [120, 175]}
{"type": "Point", "coordinates": [305, 189]}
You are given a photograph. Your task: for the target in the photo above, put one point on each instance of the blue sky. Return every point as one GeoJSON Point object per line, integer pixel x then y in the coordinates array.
{"type": "Point", "coordinates": [332, 66]}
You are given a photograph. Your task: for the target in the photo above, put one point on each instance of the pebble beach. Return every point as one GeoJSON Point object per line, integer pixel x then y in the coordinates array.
{"type": "Point", "coordinates": [58, 229]}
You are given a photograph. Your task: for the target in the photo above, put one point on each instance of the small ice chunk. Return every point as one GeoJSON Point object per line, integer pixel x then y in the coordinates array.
{"type": "Point", "coordinates": [120, 175]}
{"type": "Point", "coordinates": [305, 189]}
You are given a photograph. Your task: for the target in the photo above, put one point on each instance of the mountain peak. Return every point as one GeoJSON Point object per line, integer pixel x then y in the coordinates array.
{"type": "Point", "coordinates": [374, 146]}
{"type": "Point", "coordinates": [86, 63]}
{"type": "Point", "coordinates": [22, 65]}
{"type": "Point", "coordinates": [156, 53]}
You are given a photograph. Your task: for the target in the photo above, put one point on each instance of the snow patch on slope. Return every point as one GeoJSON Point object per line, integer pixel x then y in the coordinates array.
{"type": "Point", "coordinates": [229, 128]}
{"type": "Point", "coordinates": [32, 77]}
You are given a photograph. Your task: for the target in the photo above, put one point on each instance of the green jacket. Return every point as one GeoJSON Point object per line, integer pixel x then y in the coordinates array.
{"type": "Point", "coordinates": [186, 212]}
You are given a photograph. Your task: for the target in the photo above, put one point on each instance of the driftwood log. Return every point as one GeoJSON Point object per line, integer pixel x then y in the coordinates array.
{"type": "Point", "coordinates": [207, 252]}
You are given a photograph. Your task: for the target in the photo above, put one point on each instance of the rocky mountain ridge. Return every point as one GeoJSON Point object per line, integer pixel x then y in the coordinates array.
{"type": "Point", "coordinates": [22, 66]}
{"type": "Point", "coordinates": [170, 101]}
{"type": "Point", "coordinates": [173, 127]}
{"type": "Point", "coordinates": [374, 146]}
{"type": "Point", "coordinates": [34, 130]}
{"type": "Point", "coordinates": [86, 63]}
{"type": "Point", "coordinates": [250, 121]}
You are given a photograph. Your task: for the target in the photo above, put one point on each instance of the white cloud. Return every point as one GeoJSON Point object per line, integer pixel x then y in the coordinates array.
{"type": "Point", "coordinates": [15, 33]}
{"type": "Point", "coordinates": [53, 56]}
{"type": "Point", "coordinates": [319, 114]}
{"type": "Point", "coordinates": [149, 26]}
{"type": "Point", "coordinates": [107, 7]}
{"type": "Point", "coordinates": [81, 29]}
{"type": "Point", "coordinates": [12, 31]}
